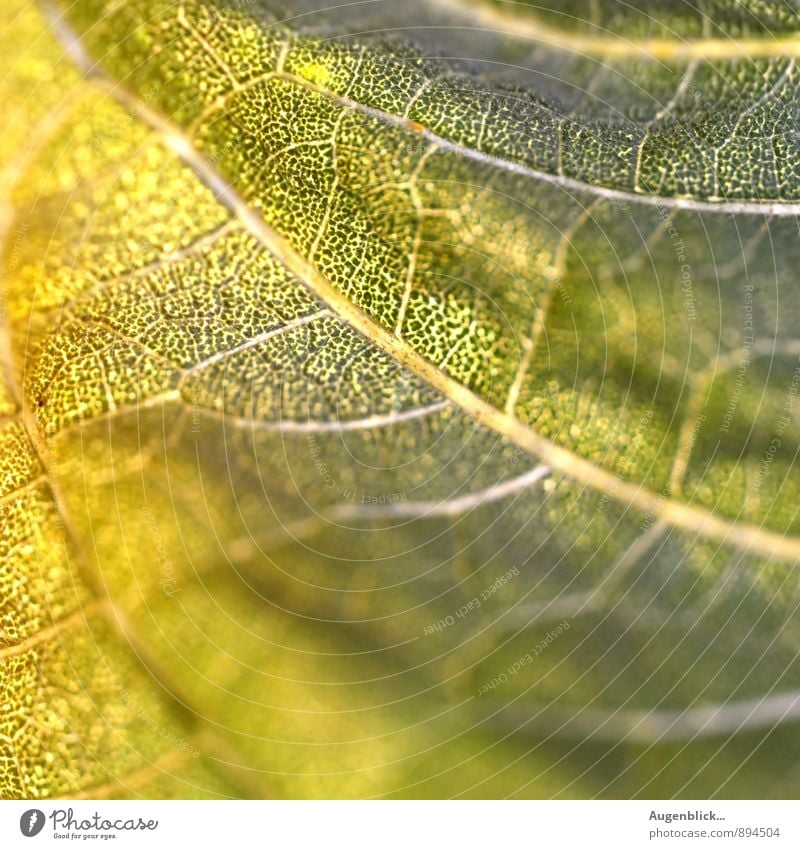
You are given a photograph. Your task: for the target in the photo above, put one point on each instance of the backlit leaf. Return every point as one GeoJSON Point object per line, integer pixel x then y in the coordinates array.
{"type": "Point", "coordinates": [378, 423]}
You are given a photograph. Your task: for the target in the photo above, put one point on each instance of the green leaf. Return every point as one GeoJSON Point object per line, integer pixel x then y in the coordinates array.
{"type": "Point", "coordinates": [381, 424]}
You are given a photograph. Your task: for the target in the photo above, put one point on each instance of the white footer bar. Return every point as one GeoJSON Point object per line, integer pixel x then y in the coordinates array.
{"type": "Point", "coordinates": [403, 824]}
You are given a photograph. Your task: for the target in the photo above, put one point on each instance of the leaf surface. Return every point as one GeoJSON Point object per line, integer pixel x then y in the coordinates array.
{"type": "Point", "coordinates": [412, 426]}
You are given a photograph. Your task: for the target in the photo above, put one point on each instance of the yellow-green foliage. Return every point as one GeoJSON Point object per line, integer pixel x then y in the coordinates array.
{"type": "Point", "coordinates": [339, 377]}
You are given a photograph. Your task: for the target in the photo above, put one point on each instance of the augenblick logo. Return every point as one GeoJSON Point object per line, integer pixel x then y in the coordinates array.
{"type": "Point", "coordinates": [66, 825]}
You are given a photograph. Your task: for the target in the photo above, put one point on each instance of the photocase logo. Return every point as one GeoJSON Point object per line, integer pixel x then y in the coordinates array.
{"type": "Point", "coordinates": [65, 824]}
{"type": "Point", "coordinates": [31, 822]}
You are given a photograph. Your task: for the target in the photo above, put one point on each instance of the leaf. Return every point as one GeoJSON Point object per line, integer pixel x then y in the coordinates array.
{"type": "Point", "coordinates": [381, 424]}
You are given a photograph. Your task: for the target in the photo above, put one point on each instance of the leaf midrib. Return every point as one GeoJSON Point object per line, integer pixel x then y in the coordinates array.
{"type": "Point", "coordinates": [701, 521]}
{"type": "Point", "coordinates": [608, 45]}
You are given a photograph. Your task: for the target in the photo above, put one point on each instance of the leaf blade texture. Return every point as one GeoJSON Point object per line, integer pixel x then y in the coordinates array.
{"type": "Point", "coordinates": [406, 426]}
